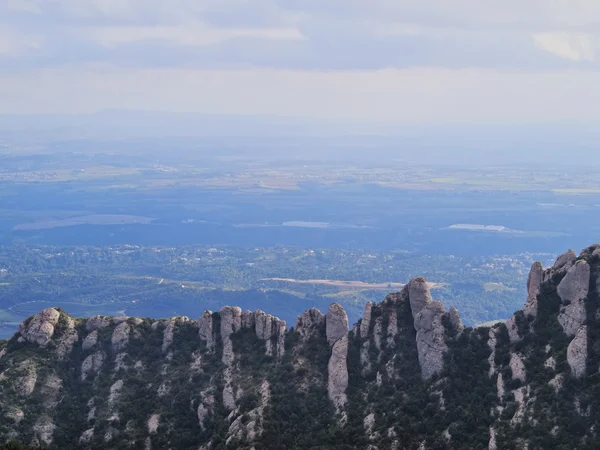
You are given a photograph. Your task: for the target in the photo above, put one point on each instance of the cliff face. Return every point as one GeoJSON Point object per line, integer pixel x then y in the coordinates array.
{"type": "Point", "coordinates": [407, 376]}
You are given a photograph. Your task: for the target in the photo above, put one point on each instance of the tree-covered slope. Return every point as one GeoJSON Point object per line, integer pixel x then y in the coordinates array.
{"type": "Point", "coordinates": [408, 375]}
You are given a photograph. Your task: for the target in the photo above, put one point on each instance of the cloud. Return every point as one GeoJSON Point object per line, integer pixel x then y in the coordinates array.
{"type": "Point", "coordinates": [571, 46]}
{"type": "Point", "coordinates": [420, 60]}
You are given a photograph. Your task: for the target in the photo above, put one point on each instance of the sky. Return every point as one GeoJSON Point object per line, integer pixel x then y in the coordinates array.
{"type": "Point", "coordinates": [393, 61]}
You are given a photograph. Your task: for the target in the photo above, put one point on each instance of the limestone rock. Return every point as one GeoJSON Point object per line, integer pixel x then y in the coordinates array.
{"type": "Point", "coordinates": [336, 323]}
{"type": "Point", "coordinates": [92, 364]}
{"type": "Point", "coordinates": [44, 431]}
{"type": "Point", "coordinates": [392, 330]}
{"type": "Point", "coordinates": [119, 320]}
{"type": "Point", "coordinates": [431, 343]}
{"type": "Point", "coordinates": [90, 341]}
{"type": "Point", "coordinates": [455, 319]}
{"type": "Point", "coordinates": [87, 436]}
{"type": "Point", "coordinates": [202, 412]}
{"type": "Point", "coordinates": [231, 320]}
{"type": "Point", "coordinates": [365, 324]}
{"type": "Point", "coordinates": [205, 328]}
{"type": "Point", "coordinates": [120, 336]}
{"type": "Point", "coordinates": [67, 339]}
{"type": "Point", "coordinates": [418, 294]}
{"type": "Point", "coordinates": [378, 332]}
{"type": "Point", "coordinates": [572, 290]}
{"type": "Point", "coordinates": [564, 259]}
{"type": "Point", "coordinates": [168, 333]}
{"type": "Point", "coordinates": [513, 330]}
{"type": "Point", "coordinates": [39, 329]}
{"type": "Point", "coordinates": [28, 378]}
{"type": "Point", "coordinates": [248, 319]}
{"type": "Point", "coordinates": [263, 323]}
{"type": "Point", "coordinates": [338, 373]}
{"type": "Point", "coordinates": [517, 367]}
{"type": "Point", "coordinates": [534, 281]}
{"type": "Point", "coordinates": [97, 323]}
{"type": "Point", "coordinates": [309, 322]}
{"type": "Point", "coordinates": [115, 393]}
{"type": "Point", "coordinates": [492, 444]}
{"type": "Point", "coordinates": [577, 353]}
{"type": "Point", "coordinates": [50, 389]}
{"type": "Point", "coordinates": [152, 423]}
{"type": "Point", "coordinates": [369, 423]}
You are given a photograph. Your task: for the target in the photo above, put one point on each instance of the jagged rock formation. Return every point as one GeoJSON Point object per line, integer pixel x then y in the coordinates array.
{"type": "Point", "coordinates": [336, 330]}
{"type": "Point", "coordinates": [408, 375]}
{"type": "Point", "coordinates": [534, 282]}
{"type": "Point", "coordinates": [39, 329]}
{"type": "Point", "coordinates": [572, 290]}
{"type": "Point", "coordinates": [309, 323]}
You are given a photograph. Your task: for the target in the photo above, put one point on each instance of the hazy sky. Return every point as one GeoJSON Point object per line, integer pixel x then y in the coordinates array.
{"type": "Point", "coordinates": [393, 60]}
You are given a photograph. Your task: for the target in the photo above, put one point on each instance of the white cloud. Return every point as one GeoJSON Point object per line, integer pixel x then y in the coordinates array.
{"type": "Point", "coordinates": [572, 46]}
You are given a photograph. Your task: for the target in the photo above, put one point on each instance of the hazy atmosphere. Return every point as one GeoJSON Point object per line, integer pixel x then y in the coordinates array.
{"type": "Point", "coordinates": [299, 224]}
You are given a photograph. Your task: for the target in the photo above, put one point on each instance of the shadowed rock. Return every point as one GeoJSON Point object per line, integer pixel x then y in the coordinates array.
{"type": "Point", "coordinates": [365, 324]}
{"type": "Point", "coordinates": [566, 258]}
{"type": "Point", "coordinates": [455, 319]}
{"type": "Point", "coordinates": [205, 328]}
{"type": "Point", "coordinates": [309, 322]}
{"type": "Point", "coordinates": [572, 290]}
{"type": "Point", "coordinates": [534, 281]}
{"type": "Point", "coordinates": [577, 352]}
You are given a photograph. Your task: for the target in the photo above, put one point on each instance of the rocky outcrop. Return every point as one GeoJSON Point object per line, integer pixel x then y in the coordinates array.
{"type": "Point", "coordinates": [455, 319]}
{"type": "Point", "coordinates": [170, 330]}
{"type": "Point", "coordinates": [27, 378]}
{"type": "Point", "coordinates": [309, 323]}
{"type": "Point", "coordinates": [50, 389]}
{"type": "Point", "coordinates": [231, 321]}
{"type": "Point", "coordinates": [365, 324]}
{"type": "Point", "coordinates": [153, 422]}
{"type": "Point", "coordinates": [67, 339]}
{"type": "Point", "coordinates": [431, 340]}
{"type": "Point", "coordinates": [205, 329]}
{"type": "Point", "coordinates": [268, 327]}
{"type": "Point", "coordinates": [565, 259]}
{"type": "Point", "coordinates": [572, 290]}
{"type": "Point", "coordinates": [517, 367]}
{"type": "Point", "coordinates": [120, 337]}
{"type": "Point", "coordinates": [336, 323]}
{"type": "Point", "coordinates": [39, 329]}
{"type": "Point", "coordinates": [90, 341]}
{"type": "Point", "coordinates": [577, 352]}
{"type": "Point", "coordinates": [92, 364]}
{"type": "Point", "coordinates": [336, 330]}
{"type": "Point", "coordinates": [97, 323]}
{"type": "Point", "coordinates": [534, 281]}
{"type": "Point", "coordinates": [338, 373]}
{"type": "Point", "coordinates": [43, 432]}
{"type": "Point", "coordinates": [419, 294]}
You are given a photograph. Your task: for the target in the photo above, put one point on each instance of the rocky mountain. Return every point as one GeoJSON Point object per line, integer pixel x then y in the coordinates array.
{"type": "Point", "coordinates": [408, 375]}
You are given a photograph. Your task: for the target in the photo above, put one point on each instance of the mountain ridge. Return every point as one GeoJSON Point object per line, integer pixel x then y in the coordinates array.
{"type": "Point", "coordinates": [407, 375]}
